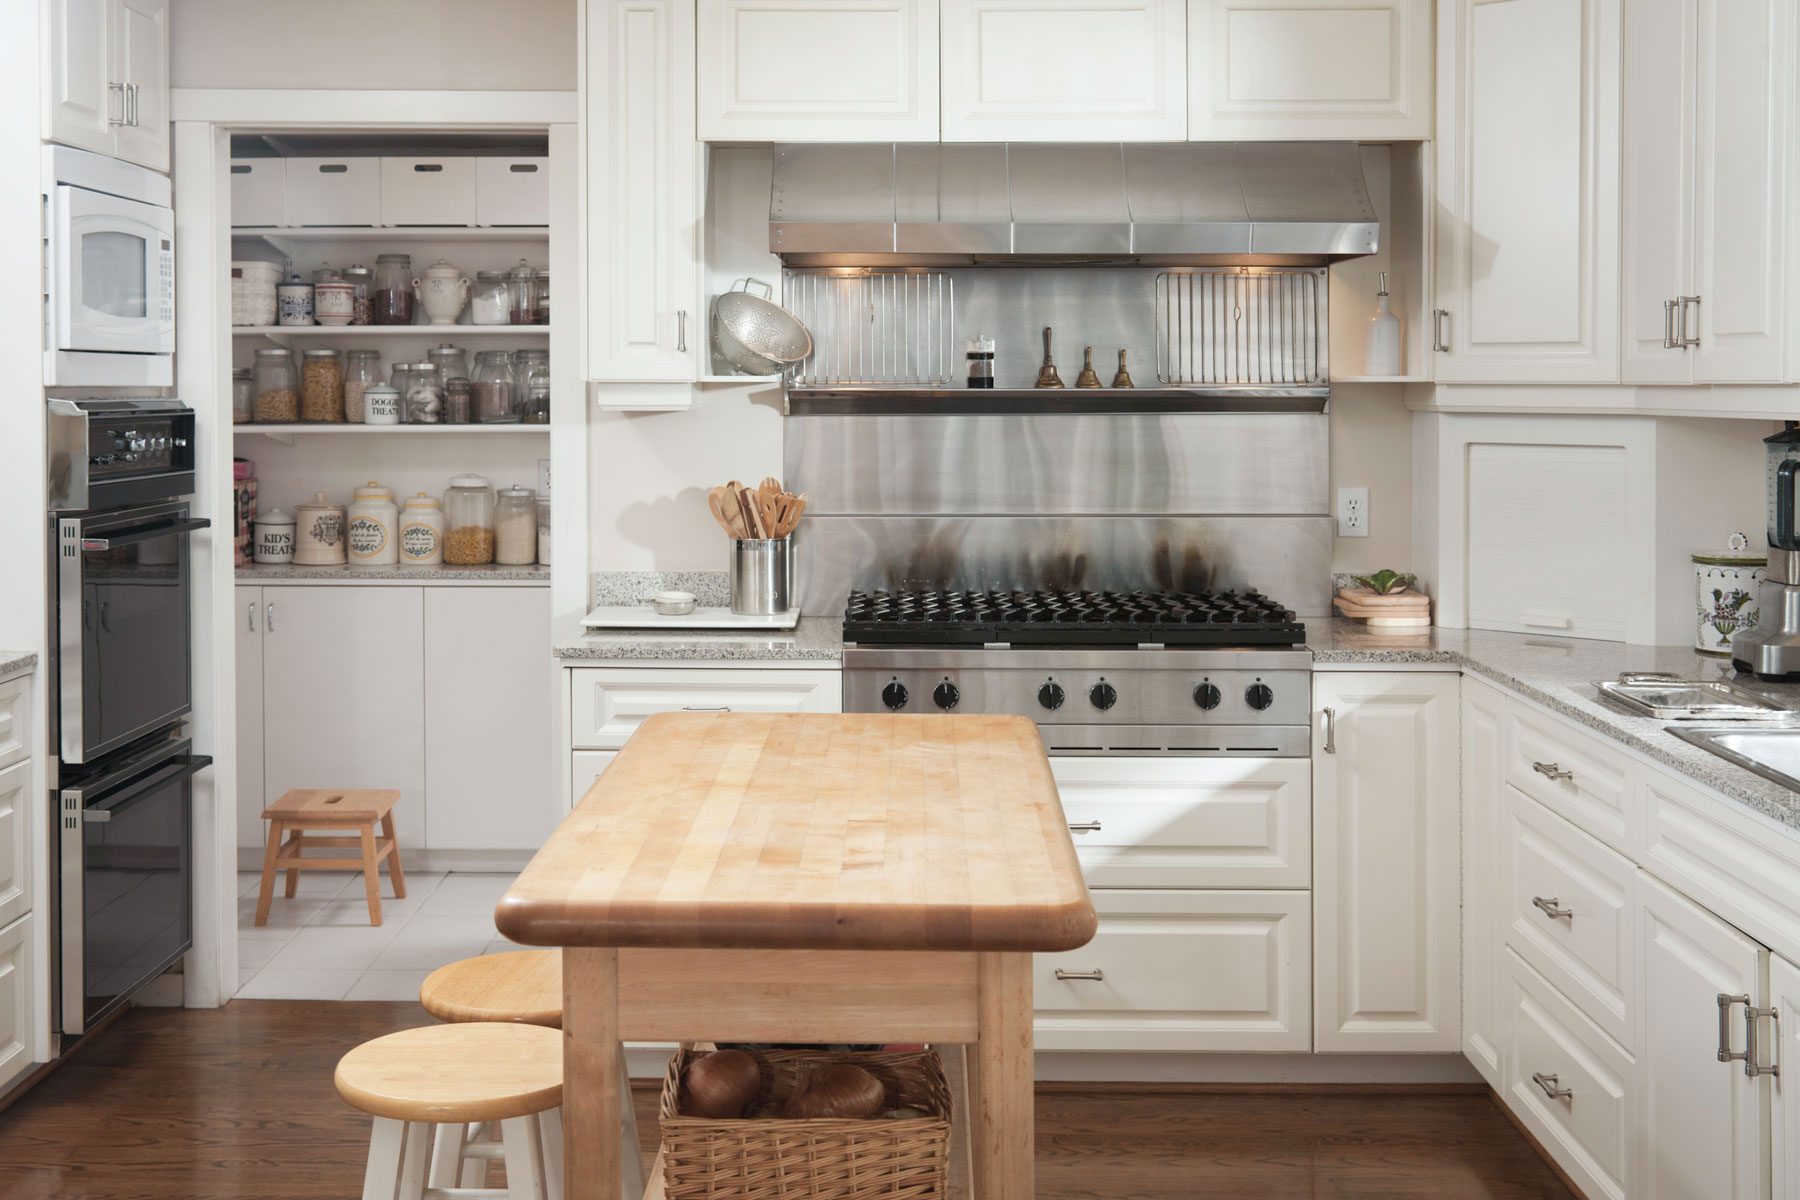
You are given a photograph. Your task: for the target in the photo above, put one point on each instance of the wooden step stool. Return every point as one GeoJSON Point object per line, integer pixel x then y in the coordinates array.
{"type": "Point", "coordinates": [304, 813]}
{"type": "Point", "coordinates": [447, 1077]}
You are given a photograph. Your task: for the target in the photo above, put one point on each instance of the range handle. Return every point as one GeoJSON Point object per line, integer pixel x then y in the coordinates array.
{"type": "Point", "coordinates": [149, 533]}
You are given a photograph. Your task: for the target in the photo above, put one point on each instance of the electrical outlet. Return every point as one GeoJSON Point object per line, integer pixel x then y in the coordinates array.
{"type": "Point", "coordinates": [1353, 512]}
{"type": "Point", "coordinates": [544, 477]}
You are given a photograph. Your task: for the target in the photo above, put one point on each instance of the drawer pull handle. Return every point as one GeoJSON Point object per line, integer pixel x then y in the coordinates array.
{"type": "Point", "coordinates": [1084, 827]}
{"type": "Point", "coordinates": [706, 708]}
{"type": "Point", "coordinates": [1330, 730]}
{"type": "Point", "coordinates": [1096, 975]}
{"type": "Point", "coordinates": [1549, 1084]}
{"type": "Point", "coordinates": [1552, 908]}
{"type": "Point", "coordinates": [1552, 771]}
{"type": "Point", "coordinates": [1726, 1054]}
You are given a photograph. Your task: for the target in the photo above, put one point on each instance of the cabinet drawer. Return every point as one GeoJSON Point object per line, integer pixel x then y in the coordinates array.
{"type": "Point", "coordinates": [334, 191]}
{"type": "Point", "coordinates": [1570, 909]}
{"type": "Point", "coordinates": [1189, 822]}
{"type": "Point", "coordinates": [589, 765]}
{"type": "Point", "coordinates": [15, 720]}
{"type": "Point", "coordinates": [15, 875]}
{"type": "Point", "coordinates": [1182, 971]}
{"type": "Point", "coordinates": [258, 192]}
{"type": "Point", "coordinates": [1587, 1131]}
{"type": "Point", "coordinates": [1572, 774]}
{"type": "Point", "coordinates": [16, 998]}
{"type": "Point", "coordinates": [427, 191]}
{"type": "Point", "coordinates": [606, 706]}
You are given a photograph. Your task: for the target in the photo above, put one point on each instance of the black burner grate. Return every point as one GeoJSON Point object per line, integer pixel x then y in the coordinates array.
{"type": "Point", "coordinates": [963, 618]}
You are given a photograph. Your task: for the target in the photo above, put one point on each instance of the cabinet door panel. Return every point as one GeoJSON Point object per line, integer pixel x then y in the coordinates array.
{"type": "Point", "coordinates": [589, 765]}
{"type": "Point", "coordinates": [1064, 70]}
{"type": "Point", "coordinates": [142, 46]}
{"type": "Point", "coordinates": [15, 864]}
{"type": "Point", "coordinates": [1658, 165]}
{"type": "Point", "coordinates": [1530, 101]}
{"type": "Point", "coordinates": [878, 83]}
{"type": "Point", "coordinates": [251, 800]}
{"type": "Point", "coordinates": [343, 694]}
{"type": "Point", "coordinates": [79, 101]}
{"type": "Point", "coordinates": [606, 705]}
{"type": "Point", "coordinates": [1784, 998]}
{"type": "Point", "coordinates": [1702, 1136]}
{"type": "Point", "coordinates": [1385, 806]}
{"type": "Point", "coordinates": [1320, 69]}
{"type": "Point", "coordinates": [490, 708]}
{"type": "Point", "coordinates": [17, 998]}
{"type": "Point", "coordinates": [1483, 708]}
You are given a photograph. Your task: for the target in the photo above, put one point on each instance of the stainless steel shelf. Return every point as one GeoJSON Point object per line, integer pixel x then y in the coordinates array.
{"type": "Point", "coordinates": [1054, 401]}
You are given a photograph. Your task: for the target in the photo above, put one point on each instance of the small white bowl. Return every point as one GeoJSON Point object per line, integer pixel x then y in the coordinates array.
{"type": "Point", "coordinates": [674, 604]}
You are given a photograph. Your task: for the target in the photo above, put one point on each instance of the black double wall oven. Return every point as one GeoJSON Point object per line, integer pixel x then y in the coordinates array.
{"type": "Point", "coordinates": [121, 474]}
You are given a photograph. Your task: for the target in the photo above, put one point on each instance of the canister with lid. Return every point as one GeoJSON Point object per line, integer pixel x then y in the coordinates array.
{"type": "Point", "coordinates": [494, 396]}
{"type": "Point", "coordinates": [294, 300]}
{"type": "Point", "coordinates": [381, 405]}
{"type": "Point", "coordinates": [1727, 586]}
{"type": "Point", "coordinates": [515, 526]}
{"type": "Point", "coordinates": [372, 527]}
{"type": "Point", "coordinates": [243, 397]}
{"type": "Point", "coordinates": [274, 539]}
{"type": "Point", "coordinates": [362, 296]}
{"type": "Point", "coordinates": [422, 532]}
{"type": "Point", "coordinates": [522, 282]}
{"type": "Point", "coordinates": [277, 386]}
{"type": "Point", "coordinates": [469, 521]}
{"type": "Point", "coordinates": [490, 299]}
{"type": "Point", "coordinates": [334, 300]}
{"type": "Point", "coordinates": [450, 361]}
{"type": "Point", "coordinates": [318, 533]}
{"type": "Point", "coordinates": [362, 371]}
{"type": "Point", "coordinates": [321, 386]}
{"type": "Point", "coordinates": [393, 289]}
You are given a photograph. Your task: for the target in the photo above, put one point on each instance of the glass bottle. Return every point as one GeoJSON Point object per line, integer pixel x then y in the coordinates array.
{"type": "Point", "coordinates": [321, 387]}
{"type": "Point", "coordinates": [393, 289]}
{"type": "Point", "coordinates": [362, 283]}
{"type": "Point", "coordinates": [543, 298]}
{"type": "Point", "coordinates": [1381, 350]}
{"type": "Point", "coordinates": [515, 526]}
{"type": "Point", "coordinates": [521, 282]}
{"type": "Point", "coordinates": [524, 362]}
{"type": "Point", "coordinates": [494, 393]}
{"type": "Point", "coordinates": [468, 522]}
{"type": "Point", "coordinates": [424, 395]}
{"type": "Point", "coordinates": [277, 386]}
{"type": "Point", "coordinates": [243, 397]}
{"type": "Point", "coordinates": [536, 409]}
{"type": "Point", "coordinates": [362, 371]}
{"type": "Point", "coordinates": [490, 300]}
{"type": "Point", "coordinates": [459, 405]}
{"type": "Point", "coordinates": [450, 361]}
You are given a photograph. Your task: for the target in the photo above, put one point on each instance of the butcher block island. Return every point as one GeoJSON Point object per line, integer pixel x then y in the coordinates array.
{"type": "Point", "coordinates": [808, 878]}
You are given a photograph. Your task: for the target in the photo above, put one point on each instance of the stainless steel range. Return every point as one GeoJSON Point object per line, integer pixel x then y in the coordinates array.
{"type": "Point", "coordinates": [1106, 673]}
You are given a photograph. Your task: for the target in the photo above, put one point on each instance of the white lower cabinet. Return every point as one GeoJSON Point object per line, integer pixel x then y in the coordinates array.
{"type": "Point", "coordinates": [1181, 970]}
{"type": "Point", "coordinates": [589, 765]}
{"type": "Point", "coordinates": [607, 704]}
{"type": "Point", "coordinates": [16, 799]}
{"type": "Point", "coordinates": [17, 994]}
{"type": "Point", "coordinates": [1483, 714]}
{"type": "Point", "coordinates": [1385, 861]}
{"type": "Point", "coordinates": [1784, 1124]}
{"type": "Point", "coordinates": [251, 797]}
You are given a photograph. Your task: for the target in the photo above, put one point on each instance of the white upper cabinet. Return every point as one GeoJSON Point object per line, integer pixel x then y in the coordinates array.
{"type": "Point", "coordinates": [1707, 153]}
{"type": "Point", "coordinates": [833, 70]}
{"type": "Point", "coordinates": [1064, 70]}
{"type": "Point", "coordinates": [645, 319]}
{"type": "Point", "coordinates": [1528, 192]}
{"type": "Point", "coordinates": [106, 79]}
{"type": "Point", "coordinates": [1285, 70]}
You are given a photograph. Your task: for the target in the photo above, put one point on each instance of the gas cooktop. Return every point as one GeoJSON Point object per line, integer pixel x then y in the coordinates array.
{"type": "Point", "coordinates": [1068, 618]}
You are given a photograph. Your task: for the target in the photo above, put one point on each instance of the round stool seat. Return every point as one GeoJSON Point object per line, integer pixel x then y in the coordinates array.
{"type": "Point", "coordinates": [522, 986]}
{"type": "Point", "coordinates": [443, 1073]}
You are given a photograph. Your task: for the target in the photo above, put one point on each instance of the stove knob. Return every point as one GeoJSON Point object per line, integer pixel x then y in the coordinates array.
{"type": "Point", "coordinates": [1051, 695]}
{"type": "Point", "coordinates": [894, 695]}
{"type": "Point", "coordinates": [1258, 696]}
{"type": "Point", "coordinates": [1207, 695]}
{"type": "Point", "coordinates": [1103, 695]}
{"type": "Point", "coordinates": [945, 695]}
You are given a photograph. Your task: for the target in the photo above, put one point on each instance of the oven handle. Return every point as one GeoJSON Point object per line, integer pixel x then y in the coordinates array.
{"type": "Point", "coordinates": [169, 772]}
{"type": "Point", "coordinates": [148, 534]}
{"type": "Point", "coordinates": [166, 752]}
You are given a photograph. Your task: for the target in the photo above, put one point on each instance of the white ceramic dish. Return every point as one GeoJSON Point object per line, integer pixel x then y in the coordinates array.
{"type": "Point", "coordinates": [640, 617]}
{"type": "Point", "coordinates": [674, 604]}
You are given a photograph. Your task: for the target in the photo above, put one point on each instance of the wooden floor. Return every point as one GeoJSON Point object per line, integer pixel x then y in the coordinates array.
{"type": "Point", "coordinates": [237, 1104]}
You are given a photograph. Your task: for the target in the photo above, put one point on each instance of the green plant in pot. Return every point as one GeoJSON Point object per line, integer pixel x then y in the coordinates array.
{"type": "Point", "coordinates": [1385, 582]}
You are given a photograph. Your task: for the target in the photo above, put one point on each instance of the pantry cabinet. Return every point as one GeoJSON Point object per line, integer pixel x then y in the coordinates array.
{"type": "Point", "coordinates": [1277, 70]}
{"type": "Point", "coordinates": [1527, 280]}
{"type": "Point", "coordinates": [646, 322]}
{"type": "Point", "coordinates": [1385, 863]}
{"type": "Point", "coordinates": [1056, 71]}
{"type": "Point", "coordinates": [106, 78]}
{"type": "Point", "coordinates": [873, 75]}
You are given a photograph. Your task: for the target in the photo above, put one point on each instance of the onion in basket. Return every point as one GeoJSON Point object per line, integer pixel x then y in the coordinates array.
{"type": "Point", "coordinates": [836, 1090]}
{"type": "Point", "coordinates": [720, 1085]}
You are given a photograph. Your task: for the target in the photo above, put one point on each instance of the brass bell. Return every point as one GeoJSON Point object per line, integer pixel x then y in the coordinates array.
{"type": "Point", "coordinates": [1122, 379]}
{"type": "Point", "coordinates": [1047, 376]}
{"type": "Point", "coordinates": [1088, 378]}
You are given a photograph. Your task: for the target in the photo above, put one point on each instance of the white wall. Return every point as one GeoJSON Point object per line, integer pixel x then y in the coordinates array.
{"type": "Point", "coordinates": [467, 45]}
{"type": "Point", "coordinates": [1371, 446]}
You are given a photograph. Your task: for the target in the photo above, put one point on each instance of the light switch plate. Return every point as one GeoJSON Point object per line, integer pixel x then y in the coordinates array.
{"type": "Point", "coordinates": [1353, 512]}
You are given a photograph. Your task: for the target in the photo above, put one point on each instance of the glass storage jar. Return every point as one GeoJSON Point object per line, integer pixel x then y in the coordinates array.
{"type": "Point", "coordinates": [422, 532]}
{"type": "Point", "coordinates": [536, 410]}
{"type": "Point", "coordinates": [422, 397]}
{"type": "Point", "coordinates": [515, 526]}
{"type": "Point", "coordinates": [277, 386]}
{"type": "Point", "coordinates": [393, 289]}
{"type": "Point", "coordinates": [521, 282]}
{"type": "Point", "coordinates": [243, 397]}
{"type": "Point", "coordinates": [543, 507]}
{"type": "Point", "coordinates": [490, 300]}
{"type": "Point", "coordinates": [494, 394]}
{"type": "Point", "coordinates": [524, 362]}
{"type": "Point", "coordinates": [543, 298]}
{"type": "Point", "coordinates": [468, 522]}
{"type": "Point", "coordinates": [334, 300]}
{"type": "Point", "coordinates": [459, 405]}
{"type": "Point", "coordinates": [372, 526]}
{"type": "Point", "coordinates": [449, 360]}
{"type": "Point", "coordinates": [362, 283]}
{"type": "Point", "coordinates": [362, 371]}
{"type": "Point", "coordinates": [321, 387]}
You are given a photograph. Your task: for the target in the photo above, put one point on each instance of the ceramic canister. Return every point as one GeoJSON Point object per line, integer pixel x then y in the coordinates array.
{"type": "Point", "coordinates": [318, 533]}
{"type": "Point", "coordinates": [442, 291]}
{"type": "Point", "coordinates": [275, 539]}
{"type": "Point", "coordinates": [1726, 583]}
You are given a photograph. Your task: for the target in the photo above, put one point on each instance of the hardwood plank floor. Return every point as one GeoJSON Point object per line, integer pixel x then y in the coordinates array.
{"type": "Point", "coordinates": [237, 1104]}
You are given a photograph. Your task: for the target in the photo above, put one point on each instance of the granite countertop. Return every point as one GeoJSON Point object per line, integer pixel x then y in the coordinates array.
{"type": "Point", "coordinates": [394, 574]}
{"type": "Point", "coordinates": [815, 639]}
{"type": "Point", "coordinates": [1560, 673]}
{"type": "Point", "coordinates": [15, 662]}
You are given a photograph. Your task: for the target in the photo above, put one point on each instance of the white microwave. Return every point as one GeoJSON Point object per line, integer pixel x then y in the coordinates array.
{"type": "Point", "coordinates": [109, 272]}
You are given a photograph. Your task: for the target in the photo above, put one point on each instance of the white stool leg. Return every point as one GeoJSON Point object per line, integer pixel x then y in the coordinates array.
{"type": "Point", "coordinates": [387, 1149]}
{"type": "Point", "coordinates": [524, 1159]}
{"type": "Point", "coordinates": [412, 1162]}
{"type": "Point", "coordinates": [447, 1155]}
{"type": "Point", "coordinates": [550, 1132]}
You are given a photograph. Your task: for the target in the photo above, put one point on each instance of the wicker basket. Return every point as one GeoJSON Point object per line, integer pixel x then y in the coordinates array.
{"type": "Point", "coordinates": [253, 292]}
{"type": "Point", "coordinates": [772, 1158]}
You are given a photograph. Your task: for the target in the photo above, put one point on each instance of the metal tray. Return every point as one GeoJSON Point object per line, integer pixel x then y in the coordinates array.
{"type": "Point", "coordinates": [1669, 697]}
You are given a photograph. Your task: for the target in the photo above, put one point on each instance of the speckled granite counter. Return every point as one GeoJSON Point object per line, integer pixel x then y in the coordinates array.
{"type": "Point", "coordinates": [488, 574]}
{"type": "Point", "coordinates": [16, 662]}
{"type": "Point", "coordinates": [816, 639]}
{"type": "Point", "coordinates": [1559, 673]}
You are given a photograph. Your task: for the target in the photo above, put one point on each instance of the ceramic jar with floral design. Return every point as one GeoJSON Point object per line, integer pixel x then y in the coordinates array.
{"type": "Point", "coordinates": [1726, 583]}
{"type": "Point", "coordinates": [319, 533]}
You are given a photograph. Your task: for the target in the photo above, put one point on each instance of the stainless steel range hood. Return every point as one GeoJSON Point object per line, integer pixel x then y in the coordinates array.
{"type": "Point", "coordinates": [1185, 204]}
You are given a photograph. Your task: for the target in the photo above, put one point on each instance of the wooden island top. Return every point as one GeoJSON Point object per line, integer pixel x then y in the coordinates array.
{"type": "Point", "coordinates": [812, 832]}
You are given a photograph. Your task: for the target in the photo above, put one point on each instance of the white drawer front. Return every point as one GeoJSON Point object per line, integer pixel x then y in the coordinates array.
{"type": "Point", "coordinates": [1574, 775]}
{"type": "Point", "coordinates": [1189, 822]}
{"type": "Point", "coordinates": [1570, 911]}
{"type": "Point", "coordinates": [589, 765]}
{"type": "Point", "coordinates": [16, 997]}
{"type": "Point", "coordinates": [1182, 971]}
{"type": "Point", "coordinates": [15, 720]}
{"type": "Point", "coordinates": [606, 706]}
{"type": "Point", "coordinates": [1588, 1131]}
{"type": "Point", "coordinates": [15, 878]}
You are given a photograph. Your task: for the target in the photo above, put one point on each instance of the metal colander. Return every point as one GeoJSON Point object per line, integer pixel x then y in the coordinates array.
{"type": "Point", "coordinates": [754, 334]}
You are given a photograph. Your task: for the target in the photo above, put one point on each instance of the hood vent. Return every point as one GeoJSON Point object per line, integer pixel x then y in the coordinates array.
{"type": "Point", "coordinates": [1181, 204]}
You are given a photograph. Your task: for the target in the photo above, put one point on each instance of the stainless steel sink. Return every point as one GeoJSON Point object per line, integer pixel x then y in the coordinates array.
{"type": "Point", "coordinates": [1771, 753]}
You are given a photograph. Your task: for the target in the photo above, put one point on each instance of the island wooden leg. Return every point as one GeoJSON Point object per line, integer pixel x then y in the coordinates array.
{"type": "Point", "coordinates": [1000, 1080]}
{"type": "Point", "coordinates": [591, 1069]}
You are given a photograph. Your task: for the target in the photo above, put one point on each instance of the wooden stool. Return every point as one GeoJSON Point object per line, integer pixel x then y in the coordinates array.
{"type": "Point", "coordinates": [520, 987]}
{"type": "Point", "coordinates": [449, 1076]}
{"type": "Point", "coordinates": [303, 812]}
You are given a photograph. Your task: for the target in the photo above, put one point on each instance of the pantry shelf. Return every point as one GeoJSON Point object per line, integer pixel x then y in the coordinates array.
{"type": "Point", "coordinates": [385, 233]}
{"type": "Point", "coordinates": [335, 332]}
{"type": "Point", "coordinates": [341, 428]}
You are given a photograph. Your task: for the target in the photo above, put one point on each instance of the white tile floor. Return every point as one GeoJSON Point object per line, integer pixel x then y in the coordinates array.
{"type": "Point", "coordinates": [320, 945]}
